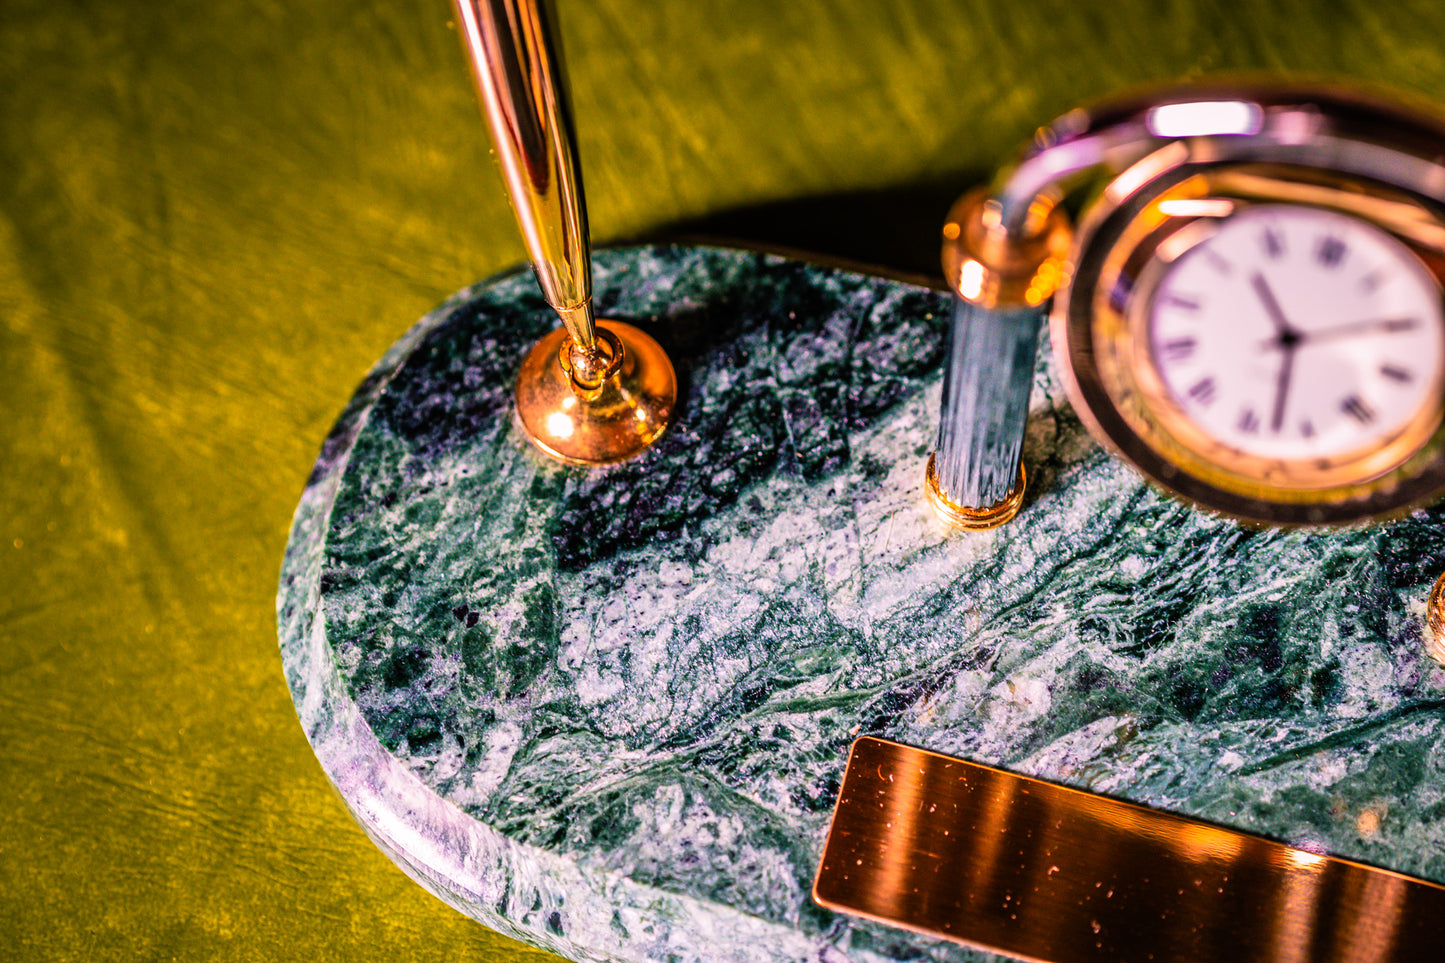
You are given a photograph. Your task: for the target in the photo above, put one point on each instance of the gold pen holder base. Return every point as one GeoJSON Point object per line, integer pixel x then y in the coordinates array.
{"type": "Point", "coordinates": [611, 422]}
{"type": "Point", "coordinates": [974, 519]}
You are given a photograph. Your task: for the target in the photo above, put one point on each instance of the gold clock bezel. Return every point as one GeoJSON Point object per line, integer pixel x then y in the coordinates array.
{"type": "Point", "coordinates": [1147, 218]}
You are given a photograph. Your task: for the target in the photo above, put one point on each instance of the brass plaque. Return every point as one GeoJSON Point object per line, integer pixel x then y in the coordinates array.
{"type": "Point", "coordinates": [1027, 868]}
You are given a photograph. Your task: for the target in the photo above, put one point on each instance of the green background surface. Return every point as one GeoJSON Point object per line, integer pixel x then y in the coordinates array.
{"type": "Point", "coordinates": [215, 216]}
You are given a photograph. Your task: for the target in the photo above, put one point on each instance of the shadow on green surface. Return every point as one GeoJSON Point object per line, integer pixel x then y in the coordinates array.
{"type": "Point", "coordinates": [892, 230]}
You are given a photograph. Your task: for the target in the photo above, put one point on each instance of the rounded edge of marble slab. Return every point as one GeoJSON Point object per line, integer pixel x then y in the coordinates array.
{"type": "Point", "coordinates": [465, 863]}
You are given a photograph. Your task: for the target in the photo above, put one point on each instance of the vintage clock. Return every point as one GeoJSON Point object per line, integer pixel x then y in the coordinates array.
{"type": "Point", "coordinates": [1250, 312]}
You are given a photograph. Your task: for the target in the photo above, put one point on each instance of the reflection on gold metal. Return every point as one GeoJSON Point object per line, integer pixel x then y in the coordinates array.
{"type": "Point", "coordinates": [993, 268]}
{"type": "Point", "coordinates": [973, 519]}
{"type": "Point", "coordinates": [518, 74]}
{"type": "Point", "coordinates": [1014, 865]}
{"type": "Point", "coordinates": [616, 414]}
{"type": "Point", "coordinates": [1435, 616]}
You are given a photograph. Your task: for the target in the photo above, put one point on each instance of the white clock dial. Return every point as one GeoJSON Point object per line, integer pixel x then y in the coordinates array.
{"type": "Point", "coordinates": [1298, 333]}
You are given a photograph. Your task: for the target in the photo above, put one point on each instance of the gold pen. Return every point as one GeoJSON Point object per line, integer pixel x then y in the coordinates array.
{"type": "Point", "coordinates": [591, 393]}
{"type": "Point", "coordinates": [515, 65]}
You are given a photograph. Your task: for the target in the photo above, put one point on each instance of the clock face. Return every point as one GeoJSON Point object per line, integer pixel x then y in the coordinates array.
{"type": "Point", "coordinates": [1298, 333]}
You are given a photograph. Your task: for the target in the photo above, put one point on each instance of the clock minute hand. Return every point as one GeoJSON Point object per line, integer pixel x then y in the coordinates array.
{"type": "Point", "coordinates": [1281, 391]}
{"type": "Point", "coordinates": [1387, 325]}
{"type": "Point", "coordinates": [1360, 327]}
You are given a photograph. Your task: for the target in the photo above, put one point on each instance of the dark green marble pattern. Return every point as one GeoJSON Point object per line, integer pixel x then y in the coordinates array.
{"type": "Point", "coordinates": [633, 690]}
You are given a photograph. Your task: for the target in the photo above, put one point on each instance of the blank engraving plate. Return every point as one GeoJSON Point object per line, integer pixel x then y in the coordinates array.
{"type": "Point", "coordinates": [1028, 868]}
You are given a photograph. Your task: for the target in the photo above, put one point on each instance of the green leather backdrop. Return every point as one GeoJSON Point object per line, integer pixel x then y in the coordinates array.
{"type": "Point", "coordinates": [215, 216]}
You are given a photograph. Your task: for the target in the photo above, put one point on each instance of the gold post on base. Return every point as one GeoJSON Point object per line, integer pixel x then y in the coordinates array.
{"type": "Point", "coordinates": [590, 393]}
{"type": "Point", "coordinates": [967, 519]}
{"type": "Point", "coordinates": [1001, 284]}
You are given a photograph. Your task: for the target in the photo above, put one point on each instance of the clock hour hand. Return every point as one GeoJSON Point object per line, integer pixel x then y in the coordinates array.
{"type": "Point", "coordinates": [1288, 336]}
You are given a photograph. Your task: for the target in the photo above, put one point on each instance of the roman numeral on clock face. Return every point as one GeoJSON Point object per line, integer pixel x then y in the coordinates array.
{"type": "Point", "coordinates": [1356, 408]}
{"type": "Point", "coordinates": [1218, 261]}
{"type": "Point", "coordinates": [1186, 302]}
{"type": "Point", "coordinates": [1178, 349]}
{"type": "Point", "coordinates": [1396, 373]}
{"type": "Point", "coordinates": [1330, 252]}
{"type": "Point", "coordinates": [1202, 391]}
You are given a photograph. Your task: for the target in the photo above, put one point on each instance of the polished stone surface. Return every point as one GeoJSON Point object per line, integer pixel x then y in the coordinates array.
{"type": "Point", "coordinates": [608, 711]}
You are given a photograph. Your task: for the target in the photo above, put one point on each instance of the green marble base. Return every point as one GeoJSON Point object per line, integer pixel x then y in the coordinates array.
{"type": "Point", "coordinates": [607, 711]}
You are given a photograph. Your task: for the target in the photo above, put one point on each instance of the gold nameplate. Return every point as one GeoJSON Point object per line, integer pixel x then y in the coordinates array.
{"type": "Point", "coordinates": [1018, 866]}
